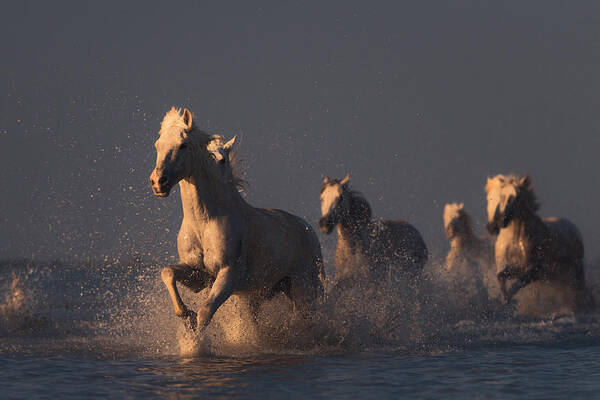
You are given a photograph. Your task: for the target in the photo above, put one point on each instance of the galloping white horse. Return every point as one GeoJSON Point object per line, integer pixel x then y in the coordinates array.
{"type": "Point", "coordinates": [529, 248]}
{"type": "Point", "coordinates": [223, 240]}
{"type": "Point", "coordinates": [368, 250]}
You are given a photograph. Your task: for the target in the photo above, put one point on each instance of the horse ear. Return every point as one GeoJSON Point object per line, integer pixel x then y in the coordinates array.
{"type": "Point", "coordinates": [229, 145]}
{"type": "Point", "coordinates": [461, 206]}
{"type": "Point", "coordinates": [326, 180]}
{"type": "Point", "coordinates": [346, 179]}
{"type": "Point", "coordinates": [525, 181]}
{"type": "Point", "coordinates": [187, 119]}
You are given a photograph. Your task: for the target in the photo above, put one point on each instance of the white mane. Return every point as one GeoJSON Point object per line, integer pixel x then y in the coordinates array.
{"type": "Point", "coordinates": [173, 119]}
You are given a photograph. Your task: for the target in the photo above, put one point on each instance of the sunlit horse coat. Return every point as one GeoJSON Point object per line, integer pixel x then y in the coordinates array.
{"type": "Point", "coordinates": [223, 241]}
{"type": "Point", "coordinates": [529, 248]}
{"type": "Point", "coordinates": [465, 246]}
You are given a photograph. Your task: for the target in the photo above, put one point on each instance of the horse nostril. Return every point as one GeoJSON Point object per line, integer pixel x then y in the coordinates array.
{"type": "Point", "coordinates": [162, 180]}
{"type": "Point", "coordinates": [151, 181]}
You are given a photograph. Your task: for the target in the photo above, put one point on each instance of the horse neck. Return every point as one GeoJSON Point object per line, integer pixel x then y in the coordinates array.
{"type": "Point", "coordinates": [356, 219]}
{"type": "Point", "coordinates": [203, 198]}
{"type": "Point", "coordinates": [460, 242]}
{"type": "Point", "coordinates": [526, 226]}
{"type": "Point", "coordinates": [353, 232]}
{"type": "Point", "coordinates": [465, 240]}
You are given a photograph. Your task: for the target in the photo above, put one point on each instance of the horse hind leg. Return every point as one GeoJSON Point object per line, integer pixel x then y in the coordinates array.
{"type": "Point", "coordinates": [584, 298]}
{"type": "Point", "coordinates": [255, 301]}
{"type": "Point", "coordinates": [304, 296]}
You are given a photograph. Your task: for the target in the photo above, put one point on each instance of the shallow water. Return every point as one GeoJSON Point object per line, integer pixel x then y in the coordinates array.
{"type": "Point", "coordinates": [70, 330]}
{"type": "Point", "coordinates": [516, 371]}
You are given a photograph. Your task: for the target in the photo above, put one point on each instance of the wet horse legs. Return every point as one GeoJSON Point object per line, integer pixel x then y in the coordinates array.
{"type": "Point", "coordinates": [503, 276]}
{"type": "Point", "coordinates": [193, 278]}
{"type": "Point", "coordinates": [533, 274]}
{"type": "Point", "coordinates": [222, 288]}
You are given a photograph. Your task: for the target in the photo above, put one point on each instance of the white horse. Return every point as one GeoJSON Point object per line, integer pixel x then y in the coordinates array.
{"type": "Point", "coordinates": [529, 248]}
{"type": "Point", "coordinates": [470, 260]}
{"type": "Point", "coordinates": [223, 241]}
{"type": "Point", "coordinates": [368, 250]}
{"type": "Point", "coordinates": [465, 246]}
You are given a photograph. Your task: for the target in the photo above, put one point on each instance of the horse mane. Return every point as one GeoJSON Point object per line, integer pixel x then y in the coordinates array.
{"type": "Point", "coordinates": [528, 195]}
{"type": "Point", "coordinates": [359, 206]}
{"type": "Point", "coordinates": [523, 185]}
{"type": "Point", "coordinates": [173, 119]}
{"type": "Point", "coordinates": [235, 161]}
{"type": "Point", "coordinates": [328, 182]}
{"type": "Point", "coordinates": [199, 139]}
{"type": "Point", "coordinates": [468, 221]}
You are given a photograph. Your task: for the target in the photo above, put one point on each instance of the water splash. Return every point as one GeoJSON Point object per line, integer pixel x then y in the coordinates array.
{"type": "Point", "coordinates": [12, 308]}
{"type": "Point", "coordinates": [121, 309]}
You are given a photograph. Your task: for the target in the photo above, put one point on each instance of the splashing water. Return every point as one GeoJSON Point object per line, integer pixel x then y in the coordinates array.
{"type": "Point", "coordinates": [12, 309]}
{"type": "Point", "coordinates": [120, 309]}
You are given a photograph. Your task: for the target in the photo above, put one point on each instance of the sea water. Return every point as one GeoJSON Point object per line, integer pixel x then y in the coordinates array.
{"type": "Point", "coordinates": [107, 330]}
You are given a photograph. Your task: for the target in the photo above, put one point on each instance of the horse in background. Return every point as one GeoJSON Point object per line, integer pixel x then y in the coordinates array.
{"type": "Point", "coordinates": [529, 248]}
{"type": "Point", "coordinates": [224, 243]}
{"type": "Point", "coordinates": [470, 260]}
{"type": "Point", "coordinates": [368, 250]}
{"type": "Point", "coordinates": [465, 246]}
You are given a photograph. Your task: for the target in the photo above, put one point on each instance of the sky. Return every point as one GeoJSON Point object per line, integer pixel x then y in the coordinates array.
{"type": "Point", "coordinates": [419, 101]}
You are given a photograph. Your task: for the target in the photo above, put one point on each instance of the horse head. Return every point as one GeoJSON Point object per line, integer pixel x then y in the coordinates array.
{"type": "Point", "coordinates": [456, 221]}
{"type": "Point", "coordinates": [333, 202]}
{"type": "Point", "coordinates": [173, 156]}
{"type": "Point", "coordinates": [181, 147]}
{"type": "Point", "coordinates": [507, 197]}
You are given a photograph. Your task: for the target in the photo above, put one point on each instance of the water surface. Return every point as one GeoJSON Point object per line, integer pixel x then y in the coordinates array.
{"type": "Point", "coordinates": [73, 331]}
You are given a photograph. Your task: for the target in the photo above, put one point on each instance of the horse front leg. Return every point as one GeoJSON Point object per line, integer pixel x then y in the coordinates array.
{"type": "Point", "coordinates": [188, 276]}
{"type": "Point", "coordinates": [504, 275]}
{"type": "Point", "coordinates": [533, 274]}
{"type": "Point", "coordinates": [223, 287]}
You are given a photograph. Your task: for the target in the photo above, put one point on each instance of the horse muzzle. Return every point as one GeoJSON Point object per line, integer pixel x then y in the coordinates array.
{"type": "Point", "coordinates": [326, 225]}
{"type": "Point", "coordinates": [161, 184]}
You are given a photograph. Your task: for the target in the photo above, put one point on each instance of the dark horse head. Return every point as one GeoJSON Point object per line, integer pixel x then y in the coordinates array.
{"type": "Point", "coordinates": [341, 205]}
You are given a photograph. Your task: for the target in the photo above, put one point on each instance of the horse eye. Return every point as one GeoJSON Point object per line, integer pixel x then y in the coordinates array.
{"type": "Point", "coordinates": [183, 146]}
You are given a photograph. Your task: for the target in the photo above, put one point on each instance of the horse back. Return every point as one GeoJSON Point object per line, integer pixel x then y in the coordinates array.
{"type": "Point", "coordinates": [565, 240]}
{"type": "Point", "coordinates": [403, 242]}
{"type": "Point", "coordinates": [280, 244]}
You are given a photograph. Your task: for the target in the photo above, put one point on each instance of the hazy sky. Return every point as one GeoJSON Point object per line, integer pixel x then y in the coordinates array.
{"type": "Point", "coordinates": [419, 101]}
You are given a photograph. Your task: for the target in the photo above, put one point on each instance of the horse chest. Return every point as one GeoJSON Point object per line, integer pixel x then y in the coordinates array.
{"type": "Point", "coordinates": [210, 245]}
{"type": "Point", "coordinates": [511, 250]}
{"type": "Point", "coordinates": [189, 248]}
